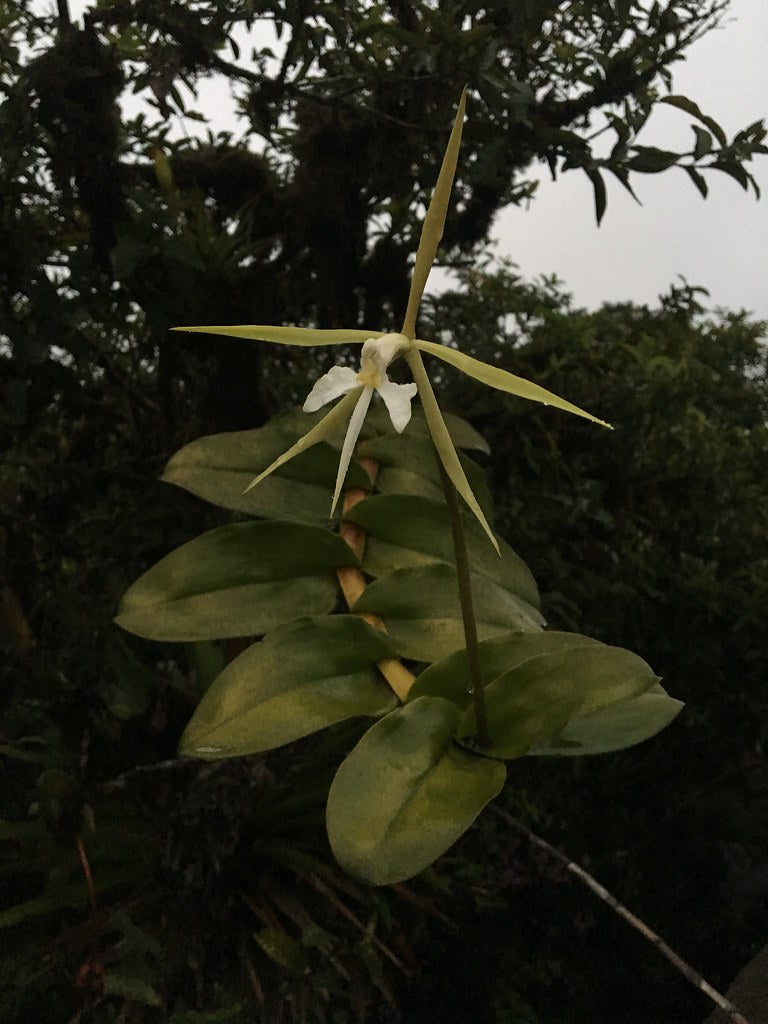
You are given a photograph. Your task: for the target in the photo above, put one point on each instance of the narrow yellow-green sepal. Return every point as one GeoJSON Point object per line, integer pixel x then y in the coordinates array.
{"type": "Point", "coordinates": [287, 335]}
{"type": "Point", "coordinates": [502, 380]}
{"type": "Point", "coordinates": [442, 441]}
{"type": "Point", "coordinates": [338, 415]}
{"type": "Point", "coordinates": [434, 221]}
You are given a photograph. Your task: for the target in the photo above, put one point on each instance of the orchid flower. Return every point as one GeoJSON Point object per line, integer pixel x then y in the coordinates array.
{"type": "Point", "coordinates": [379, 349]}
{"type": "Point", "coordinates": [376, 356]}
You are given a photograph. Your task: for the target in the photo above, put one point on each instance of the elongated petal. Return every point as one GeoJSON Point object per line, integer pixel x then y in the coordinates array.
{"type": "Point", "coordinates": [434, 221]}
{"type": "Point", "coordinates": [337, 382]}
{"type": "Point", "coordinates": [327, 425]}
{"type": "Point", "coordinates": [502, 380]}
{"type": "Point", "coordinates": [397, 398]}
{"type": "Point", "coordinates": [287, 335]}
{"type": "Point", "coordinates": [353, 432]}
{"type": "Point", "coordinates": [442, 441]}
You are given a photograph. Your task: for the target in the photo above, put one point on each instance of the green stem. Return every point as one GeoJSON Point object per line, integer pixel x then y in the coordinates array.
{"type": "Point", "coordinates": [467, 607]}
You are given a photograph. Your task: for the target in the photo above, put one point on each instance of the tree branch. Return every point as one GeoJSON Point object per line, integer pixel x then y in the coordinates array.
{"type": "Point", "coordinates": [677, 961]}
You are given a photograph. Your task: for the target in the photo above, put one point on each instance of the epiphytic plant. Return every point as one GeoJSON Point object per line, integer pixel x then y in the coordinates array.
{"type": "Point", "coordinates": [396, 609]}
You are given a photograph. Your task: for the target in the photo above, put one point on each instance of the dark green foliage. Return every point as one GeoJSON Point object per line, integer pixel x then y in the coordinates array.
{"type": "Point", "coordinates": [677, 814]}
{"type": "Point", "coordinates": [148, 232]}
{"type": "Point", "coordinates": [653, 538]}
{"type": "Point", "coordinates": [74, 86]}
{"type": "Point", "coordinates": [655, 534]}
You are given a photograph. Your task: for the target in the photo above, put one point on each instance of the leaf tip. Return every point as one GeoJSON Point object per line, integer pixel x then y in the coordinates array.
{"type": "Point", "coordinates": [207, 751]}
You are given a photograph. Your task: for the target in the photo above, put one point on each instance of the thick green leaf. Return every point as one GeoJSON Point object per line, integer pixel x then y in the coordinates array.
{"type": "Point", "coordinates": [406, 793]}
{"type": "Point", "coordinates": [408, 465]}
{"type": "Point", "coordinates": [421, 611]}
{"type": "Point", "coordinates": [305, 336]}
{"type": "Point", "coordinates": [462, 434]}
{"type": "Point", "coordinates": [238, 580]}
{"type": "Point", "coordinates": [218, 468]}
{"type": "Point", "coordinates": [406, 531]}
{"type": "Point", "coordinates": [393, 480]}
{"type": "Point", "coordinates": [302, 677]}
{"type": "Point", "coordinates": [530, 704]}
{"type": "Point", "coordinates": [503, 380]}
{"type": "Point", "coordinates": [449, 678]}
{"type": "Point", "coordinates": [616, 726]}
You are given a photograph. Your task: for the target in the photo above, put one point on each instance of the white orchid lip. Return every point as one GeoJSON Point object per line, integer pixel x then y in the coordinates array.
{"type": "Point", "coordinates": [376, 356]}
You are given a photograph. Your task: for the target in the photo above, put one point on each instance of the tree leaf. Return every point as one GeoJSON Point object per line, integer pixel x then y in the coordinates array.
{"type": "Point", "coordinates": [406, 531]}
{"type": "Point", "coordinates": [63, 895]}
{"type": "Point", "coordinates": [420, 609]}
{"type": "Point", "coordinates": [300, 678]}
{"type": "Point", "coordinates": [238, 580]}
{"type": "Point", "coordinates": [406, 793]}
{"type": "Point", "coordinates": [698, 180]}
{"type": "Point", "coordinates": [129, 987]}
{"type": "Point", "coordinates": [734, 170]}
{"type": "Point", "coordinates": [703, 142]}
{"type": "Point", "coordinates": [614, 727]}
{"type": "Point", "coordinates": [598, 184]}
{"type": "Point", "coordinates": [683, 103]}
{"type": "Point", "coordinates": [283, 949]}
{"type": "Point", "coordinates": [650, 160]}
{"type": "Point", "coordinates": [449, 678]}
{"type": "Point", "coordinates": [502, 380]}
{"type": "Point", "coordinates": [622, 175]}
{"type": "Point", "coordinates": [531, 703]}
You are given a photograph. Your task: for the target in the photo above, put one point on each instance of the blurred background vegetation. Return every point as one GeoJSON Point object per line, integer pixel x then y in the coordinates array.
{"type": "Point", "coordinates": [140, 888]}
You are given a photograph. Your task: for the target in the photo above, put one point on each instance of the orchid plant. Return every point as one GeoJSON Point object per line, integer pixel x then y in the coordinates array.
{"type": "Point", "coordinates": [381, 349]}
{"type": "Point", "coordinates": [442, 640]}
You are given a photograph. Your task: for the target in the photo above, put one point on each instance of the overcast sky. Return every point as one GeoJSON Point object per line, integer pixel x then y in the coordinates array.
{"type": "Point", "coordinates": [639, 251]}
